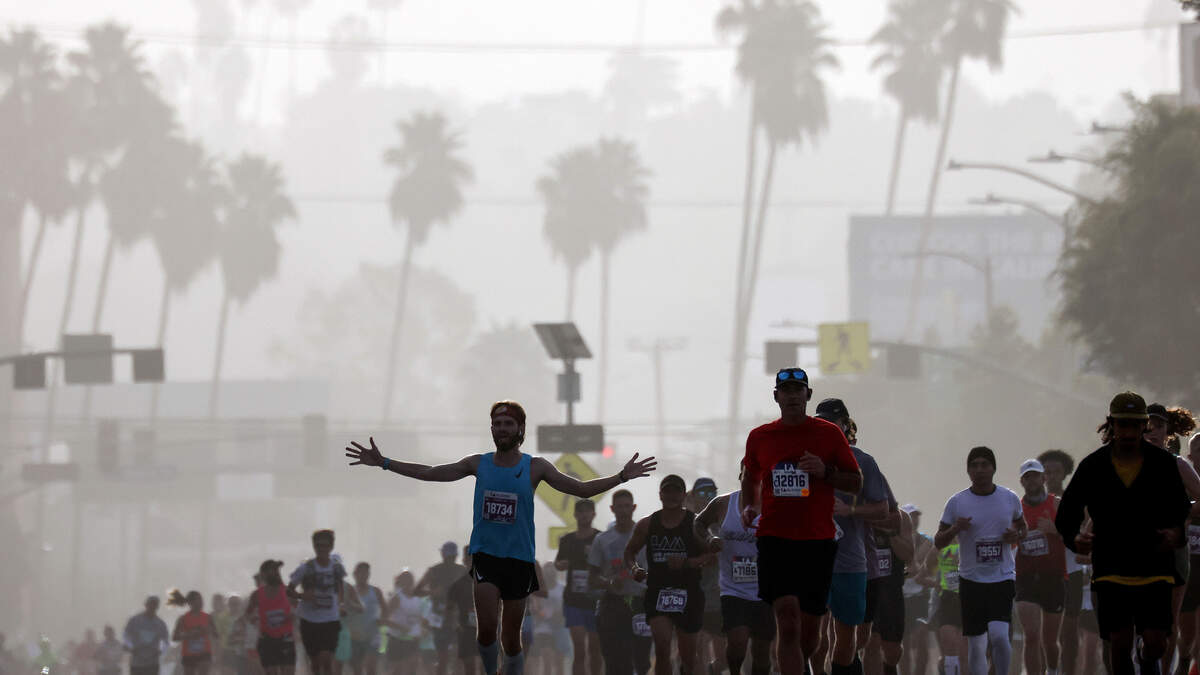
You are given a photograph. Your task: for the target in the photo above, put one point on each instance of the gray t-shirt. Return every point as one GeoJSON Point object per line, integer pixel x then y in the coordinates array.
{"type": "Point", "coordinates": [851, 556]}
{"type": "Point", "coordinates": [608, 555]}
{"type": "Point", "coordinates": [146, 636]}
{"type": "Point", "coordinates": [983, 555]}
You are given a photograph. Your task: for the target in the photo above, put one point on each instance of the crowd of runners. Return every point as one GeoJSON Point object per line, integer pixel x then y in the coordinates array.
{"type": "Point", "coordinates": [811, 566]}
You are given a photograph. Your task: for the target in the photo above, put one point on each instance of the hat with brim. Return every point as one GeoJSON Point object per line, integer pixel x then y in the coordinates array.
{"type": "Point", "coordinates": [1128, 405]}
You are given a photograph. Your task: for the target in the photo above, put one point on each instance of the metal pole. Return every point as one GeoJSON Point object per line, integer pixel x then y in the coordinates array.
{"type": "Point", "coordinates": [956, 165]}
{"type": "Point", "coordinates": [656, 352]}
{"type": "Point", "coordinates": [570, 372]}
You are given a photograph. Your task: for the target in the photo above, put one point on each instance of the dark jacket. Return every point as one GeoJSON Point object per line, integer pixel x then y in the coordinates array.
{"type": "Point", "coordinates": [1125, 520]}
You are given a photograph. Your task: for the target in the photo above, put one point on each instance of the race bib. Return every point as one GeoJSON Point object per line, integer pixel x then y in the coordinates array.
{"type": "Point", "coordinates": [745, 570]}
{"type": "Point", "coordinates": [883, 561]}
{"type": "Point", "coordinates": [987, 552]}
{"type": "Point", "coordinates": [1193, 534]}
{"type": "Point", "coordinates": [1035, 545]}
{"type": "Point", "coordinates": [500, 507]}
{"type": "Point", "coordinates": [579, 581]}
{"type": "Point", "coordinates": [640, 627]}
{"type": "Point", "coordinates": [275, 618]}
{"type": "Point", "coordinates": [952, 581]}
{"type": "Point", "coordinates": [788, 481]}
{"type": "Point", "coordinates": [671, 601]}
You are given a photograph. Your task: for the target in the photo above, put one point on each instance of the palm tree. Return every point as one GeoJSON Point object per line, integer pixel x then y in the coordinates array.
{"type": "Point", "coordinates": [427, 191]}
{"type": "Point", "coordinates": [248, 247]}
{"type": "Point", "coordinates": [120, 109]}
{"type": "Point", "coordinates": [37, 122]}
{"type": "Point", "coordinates": [567, 193]}
{"type": "Point", "coordinates": [975, 30]}
{"type": "Point", "coordinates": [782, 55]}
{"type": "Point", "coordinates": [910, 41]}
{"type": "Point", "coordinates": [190, 199]}
{"type": "Point", "coordinates": [621, 211]}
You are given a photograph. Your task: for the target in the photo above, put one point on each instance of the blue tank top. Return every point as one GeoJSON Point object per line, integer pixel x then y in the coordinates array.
{"type": "Point", "coordinates": [503, 525]}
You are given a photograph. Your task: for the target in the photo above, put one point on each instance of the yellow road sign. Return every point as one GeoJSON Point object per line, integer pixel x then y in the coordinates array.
{"type": "Point", "coordinates": [564, 505]}
{"type": "Point", "coordinates": [844, 347]}
{"type": "Point", "coordinates": [555, 533]}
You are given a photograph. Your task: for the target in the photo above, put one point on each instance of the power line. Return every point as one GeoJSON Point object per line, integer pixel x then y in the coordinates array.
{"type": "Point", "coordinates": [180, 38]}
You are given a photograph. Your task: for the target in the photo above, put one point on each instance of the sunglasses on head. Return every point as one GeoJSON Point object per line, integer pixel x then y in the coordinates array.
{"type": "Point", "coordinates": [792, 374]}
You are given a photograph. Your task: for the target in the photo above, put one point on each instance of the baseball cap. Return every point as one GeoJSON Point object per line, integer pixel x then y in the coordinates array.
{"type": "Point", "coordinates": [268, 565]}
{"type": "Point", "coordinates": [1031, 465]}
{"type": "Point", "coordinates": [796, 375]}
{"type": "Point", "coordinates": [1157, 410]}
{"type": "Point", "coordinates": [910, 508]}
{"type": "Point", "coordinates": [671, 480]}
{"type": "Point", "coordinates": [449, 548]}
{"type": "Point", "coordinates": [704, 483]}
{"type": "Point", "coordinates": [832, 409]}
{"type": "Point", "coordinates": [1128, 405]}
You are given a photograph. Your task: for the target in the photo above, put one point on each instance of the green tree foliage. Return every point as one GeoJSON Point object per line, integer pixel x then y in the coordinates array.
{"type": "Point", "coordinates": [1128, 276]}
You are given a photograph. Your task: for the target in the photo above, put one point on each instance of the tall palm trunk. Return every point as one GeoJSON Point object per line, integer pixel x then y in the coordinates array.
{"type": "Point", "coordinates": [214, 391]}
{"type": "Point", "coordinates": [164, 310]}
{"type": "Point", "coordinates": [605, 275]}
{"type": "Point", "coordinates": [764, 202]}
{"type": "Point", "coordinates": [737, 356]}
{"type": "Point", "coordinates": [389, 384]}
{"type": "Point", "coordinates": [572, 272]}
{"type": "Point", "coordinates": [64, 319]}
{"type": "Point", "coordinates": [927, 220]}
{"type": "Point", "coordinates": [30, 269]}
{"type": "Point", "coordinates": [98, 312]}
{"type": "Point", "coordinates": [11, 216]}
{"type": "Point", "coordinates": [262, 68]}
{"type": "Point", "coordinates": [897, 152]}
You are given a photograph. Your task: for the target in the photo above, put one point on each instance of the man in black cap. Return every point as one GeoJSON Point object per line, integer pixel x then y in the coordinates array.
{"type": "Point", "coordinates": [1138, 505]}
{"type": "Point", "coordinates": [852, 513]}
{"type": "Point", "coordinates": [711, 639]}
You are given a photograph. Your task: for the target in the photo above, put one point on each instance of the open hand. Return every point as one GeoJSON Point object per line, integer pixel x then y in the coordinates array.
{"type": "Point", "coordinates": [364, 456]}
{"type": "Point", "coordinates": [635, 469]}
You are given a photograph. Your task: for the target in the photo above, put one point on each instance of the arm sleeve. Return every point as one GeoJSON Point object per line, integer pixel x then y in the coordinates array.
{"type": "Point", "coordinates": [843, 456]}
{"type": "Point", "coordinates": [750, 459]}
{"type": "Point", "coordinates": [1071, 505]}
{"type": "Point", "coordinates": [297, 574]}
{"type": "Point", "coordinates": [1018, 512]}
{"type": "Point", "coordinates": [874, 487]}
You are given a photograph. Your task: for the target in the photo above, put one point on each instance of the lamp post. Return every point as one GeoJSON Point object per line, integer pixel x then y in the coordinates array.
{"type": "Point", "coordinates": [992, 198]}
{"type": "Point", "coordinates": [655, 350]}
{"type": "Point", "coordinates": [955, 165]}
{"type": "Point", "coordinates": [1054, 157]}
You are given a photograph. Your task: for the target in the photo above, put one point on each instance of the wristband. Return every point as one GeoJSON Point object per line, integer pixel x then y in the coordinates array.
{"type": "Point", "coordinates": [385, 464]}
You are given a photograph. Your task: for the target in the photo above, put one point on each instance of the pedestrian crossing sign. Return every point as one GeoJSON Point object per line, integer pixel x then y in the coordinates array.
{"type": "Point", "coordinates": [844, 348]}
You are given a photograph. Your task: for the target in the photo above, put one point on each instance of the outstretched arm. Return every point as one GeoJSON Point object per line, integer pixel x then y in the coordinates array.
{"type": "Point", "coordinates": [544, 470]}
{"type": "Point", "coordinates": [442, 473]}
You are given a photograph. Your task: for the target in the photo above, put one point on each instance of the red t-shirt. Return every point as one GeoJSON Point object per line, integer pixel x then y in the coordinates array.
{"type": "Point", "coordinates": [1037, 552]}
{"type": "Point", "coordinates": [794, 504]}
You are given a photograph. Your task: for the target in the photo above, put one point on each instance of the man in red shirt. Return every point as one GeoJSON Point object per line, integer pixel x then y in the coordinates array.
{"type": "Point", "coordinates": [793, 465]}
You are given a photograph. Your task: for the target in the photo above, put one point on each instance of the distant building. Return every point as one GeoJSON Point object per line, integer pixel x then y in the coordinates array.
{"type": "Point", "coordinates": [1023, 250]}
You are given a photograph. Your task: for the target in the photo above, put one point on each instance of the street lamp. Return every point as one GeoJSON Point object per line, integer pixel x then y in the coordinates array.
{"type": "Point", "coordinates": [992, 198]}
{"type": "Point", "coordinates": [655, 350]}
{"type": "Point", "coordinates": [1098, 128]}
{"type": "Point", "coordinates": [1053, 157]}
{"type": "Point", "coordinates": [955, 165]}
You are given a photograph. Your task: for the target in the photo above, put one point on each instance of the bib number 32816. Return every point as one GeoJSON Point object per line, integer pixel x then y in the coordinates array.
{"type": "Point", "coordinates": [671, 600]}
{"type": "Point", "coordinates": [499, 507]}
{"type": "Point", "coordinates": [788, 481]}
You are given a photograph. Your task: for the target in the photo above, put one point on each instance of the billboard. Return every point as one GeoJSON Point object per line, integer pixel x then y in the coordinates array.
{"type": "Point", "coordinates": [1021, 251]}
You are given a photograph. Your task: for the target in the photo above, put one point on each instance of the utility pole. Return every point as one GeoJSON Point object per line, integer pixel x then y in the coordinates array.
{"type": "Point", "coordinates": [655, 350]}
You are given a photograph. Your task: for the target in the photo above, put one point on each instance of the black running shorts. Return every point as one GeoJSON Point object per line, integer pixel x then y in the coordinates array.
{"type": "Point", "coordinates": [799, 568]}
{"type": "Point", "coordinates": [683, 606]}
{"type": "Point", "coordinates": [1048, 591]}
{"type": "Point", "coordinates": [1144, 607]}
{"type": "Point", "coordinates": [947, 609]}
{"type": "Point", "coordinates": [275, 652]}
{"type": "Point", "coordinates": [889, 609]}
{"type": "Point", "coordinates": [753, 614]}
{"type": "Point", "coordinates": [984, 603]}
{"type": "Point", "coordinates": [516, 579]}
{"type": "Point", "coordinates": [320, 637]}
{"type": "Point", "coordinates": [1074, 602]}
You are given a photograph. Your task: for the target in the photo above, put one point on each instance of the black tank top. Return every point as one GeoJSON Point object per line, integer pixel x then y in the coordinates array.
{"type": "Point", "coordinates": [662, 544]}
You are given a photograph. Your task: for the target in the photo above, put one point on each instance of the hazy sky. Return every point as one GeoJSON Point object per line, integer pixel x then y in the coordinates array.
{"type": "Point", "coordinates": [1082, 70]}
